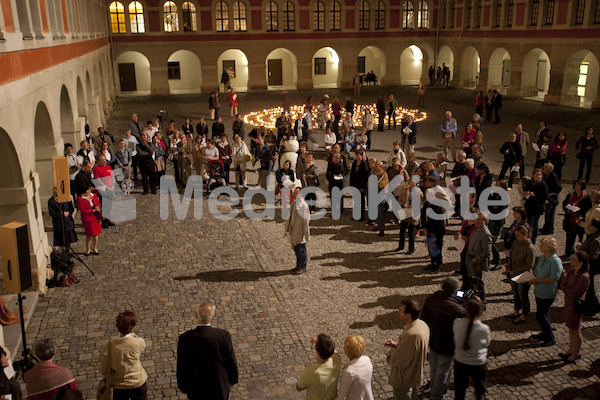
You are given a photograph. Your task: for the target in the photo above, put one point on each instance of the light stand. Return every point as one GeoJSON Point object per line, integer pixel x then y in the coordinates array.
{"type": "Point", "coordinates": [27, 359]}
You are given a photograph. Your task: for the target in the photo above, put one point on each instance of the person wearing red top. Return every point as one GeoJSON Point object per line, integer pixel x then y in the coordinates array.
{"type": "Point", "coordinates": [91, 215]}
{"type": "Point", "coordinates": [558, 153]}
{"type": "Point", "coordinates": [233, 103]}
{"type": "Point", "coordinates": [468, 138]}
{"type": "Point", "coordinates": [104, 172]}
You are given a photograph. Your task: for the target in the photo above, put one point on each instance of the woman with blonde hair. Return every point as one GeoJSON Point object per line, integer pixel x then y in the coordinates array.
{"type": "Point", "coordinates": [547, 273]}
{"type": "Point", "coordinates": [356, 378]}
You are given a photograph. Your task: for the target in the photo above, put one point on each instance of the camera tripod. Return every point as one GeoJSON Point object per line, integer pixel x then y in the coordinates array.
{"type": "Point", "coordinates": [27, 360]}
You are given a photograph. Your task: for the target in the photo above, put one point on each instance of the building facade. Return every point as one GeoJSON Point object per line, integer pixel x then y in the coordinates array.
{"type": "Point", "coordinates": [56, 64]}
{"type": "Point", "coordinates": [545, 49]}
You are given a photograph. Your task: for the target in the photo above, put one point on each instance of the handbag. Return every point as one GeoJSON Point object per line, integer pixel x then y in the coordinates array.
{"type": "Point", "coordinates": [588, 306]}
{"type": "Point", "coordinates": [104, 391]}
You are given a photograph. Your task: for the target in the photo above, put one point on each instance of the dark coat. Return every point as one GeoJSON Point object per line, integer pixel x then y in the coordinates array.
{"type": "Point", "coordinates": [439, 312]}
{"type": "Point", "coordinates": [56, 211]}
{"type": "Point", "coordinates": [206, 363]}
{"type": "Point", "coordinates": [359, 178]}
{"type": "Point", "coordinates": [534, 205]}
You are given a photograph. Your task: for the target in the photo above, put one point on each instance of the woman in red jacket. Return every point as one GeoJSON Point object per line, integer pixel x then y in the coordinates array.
{"type": "Point", "coordinates": [91, 217]}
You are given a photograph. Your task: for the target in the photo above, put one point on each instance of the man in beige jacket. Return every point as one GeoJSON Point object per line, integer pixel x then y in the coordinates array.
{"type": "Point", "coordinates": [298, 230]}
{"type": "Point", "coordinates": [407, 357]}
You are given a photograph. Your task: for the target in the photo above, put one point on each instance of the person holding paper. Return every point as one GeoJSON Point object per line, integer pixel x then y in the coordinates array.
{"type": "Point", "coordinates": [573, 206]}
{"type": "Point", "coordinates": [410, 134]}
{"type": "Point", "coordinates": [513, 153]}
{"type": "Point", "coordinates": [547, 273]}
{"type": "Point", "coordinates": [448, 128]}
{"type": "Point", "coordinates": [520, 261]}
{"type": "Point", "coordinates": [468, 138]}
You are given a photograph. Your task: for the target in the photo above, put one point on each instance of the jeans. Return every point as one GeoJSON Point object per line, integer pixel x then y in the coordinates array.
{"type": "Point", "coordinates": [462, 372]}
{"type": "Point", "coordinates": [404, 224]}
{"type": "Point", "coordinates": [406, 393]}
{"type": "Point", "coordinates": [585, 158]}
{"type": "Point", "coordinates": [392, 118]}
{"type": "Point", "coordinates": [534, 223]}
{"type": "Point", "coordinates": [549, 219]}
{"type": "Point", "coordinates": [301, 255]}
{"type": "Point", "coordinates": [140, 393]}
{"type": "Point", "coordinates": [521, 296]}
{"type": "Point", "coordinates": [441, 371]}
{"type": "Point", "coordinates": [543, 305]}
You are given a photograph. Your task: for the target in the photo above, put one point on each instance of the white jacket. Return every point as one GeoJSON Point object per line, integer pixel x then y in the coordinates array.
{"type": "Point", "coordinates": [355, 383]}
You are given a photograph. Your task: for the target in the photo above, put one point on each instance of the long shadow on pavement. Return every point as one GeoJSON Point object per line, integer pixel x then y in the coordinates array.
{"type": "Point", "coordinates": [232, 275]}
{"type": "Point", "coordinates": [521, 374]}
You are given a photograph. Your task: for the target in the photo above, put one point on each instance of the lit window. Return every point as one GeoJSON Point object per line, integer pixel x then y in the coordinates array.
{"type": "Point", "coordinates": [271, 16]}
{"type": "Point", "coordinates": [380, 15]}
{"type": "Point", "coordinates": [117, 17]}
{"type": "Point", "coordinates": [423, 15]}
{"type": "Point", "coordinates": [136, 17]}
{"type": "Point", "coordinates": [335, 16]}
{"type": "Point", "coordinates": [535, 12]}
{"type": "Point", "coordinates": [319, 16]}
{"type": "Point", "coordinates": [364, 16]}
{"type": "Point", "coordinates": [189, 17]}
{"type": "Point", "coordinates": [239, 17]}
{"type": "Point", "coordinates": [289, 17]}
{"type": "Point", "coordinates": [171, 19]}
{"type": "Point", "coordinates": [582, 81]}
{"type": "Point", "coordinates": [222, 17]}
{"type": "Point", "coordinates": [320, 66]}
{"type": "Point", "coordinates": [407, 16]}
{"type": "Point", "coordinates": [580, 11]}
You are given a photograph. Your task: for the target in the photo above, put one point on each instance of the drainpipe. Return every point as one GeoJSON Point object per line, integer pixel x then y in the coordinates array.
{"type": "Point", "coordinates": [112, 51]}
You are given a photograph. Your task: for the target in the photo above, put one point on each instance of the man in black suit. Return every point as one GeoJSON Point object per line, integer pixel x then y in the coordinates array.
{"type": "Point", "coordinates": [497, 103]}
{"type": "Point", "coordinates": [206, 364]}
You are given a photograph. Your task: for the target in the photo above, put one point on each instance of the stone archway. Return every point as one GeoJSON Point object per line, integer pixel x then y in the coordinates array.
{"type": "Point", "coordinates": [446, 57]}
{"type": "Point", "coordinates": [326, 68]}
{"type": "Point", "coordinates": [67, 122]}
{"type": "Point", "coordinates": [281, 68]}
{"type": "Point", "coordinates": [499, 69]}
{"type": "Point", "coordinates": [184, 72]}
{"type": "Point", "coordinates": [374, 60]}
{"type": "Point", "coordinates": [45, 147]}
{"type": "Point", "coordinates": [470, 66]}
{"type": "Point", "coordinates": [535, 74]}
{"type": "Point", "coordinates": [235, 62]}
{"type": "Point", "coordinates": [580, 79]}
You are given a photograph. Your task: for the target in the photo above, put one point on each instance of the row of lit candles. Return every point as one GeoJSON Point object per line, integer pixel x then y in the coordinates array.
{"type": "Point", "coordinates": [268, 116]}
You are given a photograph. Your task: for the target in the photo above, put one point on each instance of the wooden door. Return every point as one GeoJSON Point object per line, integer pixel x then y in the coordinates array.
{"type": "Point", "coordinates": [127, 77]}
{"type": "Point", "coordinates": [275, 72]}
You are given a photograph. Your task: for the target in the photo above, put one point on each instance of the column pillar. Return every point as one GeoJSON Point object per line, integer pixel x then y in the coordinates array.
{"type": "Point", "coordinates": [305, 78]}
{"type": "Point", "coordinates": [257, 77]}
{"type": "Point", "coordinates": [346, 74]}
{"type": "Point", "coordinates": [456, 74]}
{"type": "Point", "coordinates": [514, 89]}
{"type": "Point", "coordinates": [392, 72]}
{"type": "Point", "coordinates": [482, 82]}
{"type": "Point", "coordinates": [596, 102]}
{"type": "Point", "coordinates": [160, 81]}
{"type": "Point", "coordinates": [555, 88]}
{"type": "Point", "coordinates": [209, 78]}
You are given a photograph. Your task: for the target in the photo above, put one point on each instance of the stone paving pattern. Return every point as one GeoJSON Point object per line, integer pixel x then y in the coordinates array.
{"type": "Point", "coordinates": [162, 269]}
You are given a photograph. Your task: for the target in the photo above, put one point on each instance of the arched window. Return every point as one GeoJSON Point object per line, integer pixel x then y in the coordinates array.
{"type": "Point", "coordinates": [550, 12]}
{"type": "Point", "coordinates": [498, 14]}
{"type": "Point", "coordinates": [469, 14]}
{"type": "Point", "coordinates": [319, 16]}
{"type": "Point", "coordinates": [239, 17]}
{"type": "Point", "coordinates": [289, 17]}
{"type": "Point", "coordinates": [117, 17]}
{"type": "Point", "coordinates": [407, 15]}
{"type": "Point", "coordinates": [579, 12]}
{"type": "Point", "coordinates": [380, 15]}
{"type": "Point", "coordinates": [222, 17]}
{"type": "Point", "coordinates": [510, 12]}
{"type": "Point", "coordinates": [364, 16]}
{"type": "Point", "coordinates": [535, 12]}
{"type": "Point", "coordinates": [271, 16]}
{"type": "Point", "coordinates": [136, 17]}
{"type": "Point", "coordinates": [423, 15]}
{"type": "Point", "coordinates": [189, 17]}
{"type": "Point", "coordinates": [335, 16]}
{"type": "Point", "coordinates": [171, 19]}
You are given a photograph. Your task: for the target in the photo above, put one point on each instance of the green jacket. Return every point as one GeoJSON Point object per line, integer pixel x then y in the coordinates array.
{"type": "Point", "coordinates": [521, 257]}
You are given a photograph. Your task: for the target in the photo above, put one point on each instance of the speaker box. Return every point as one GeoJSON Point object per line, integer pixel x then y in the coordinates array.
{"type": "Point", "coordinates": [14, 248]}
{"type": "Point", "coordinates": [62, 183]}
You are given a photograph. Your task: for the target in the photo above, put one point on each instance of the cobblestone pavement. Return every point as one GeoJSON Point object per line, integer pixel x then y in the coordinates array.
{"type": "Point", "coordinates": [161, 270]}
